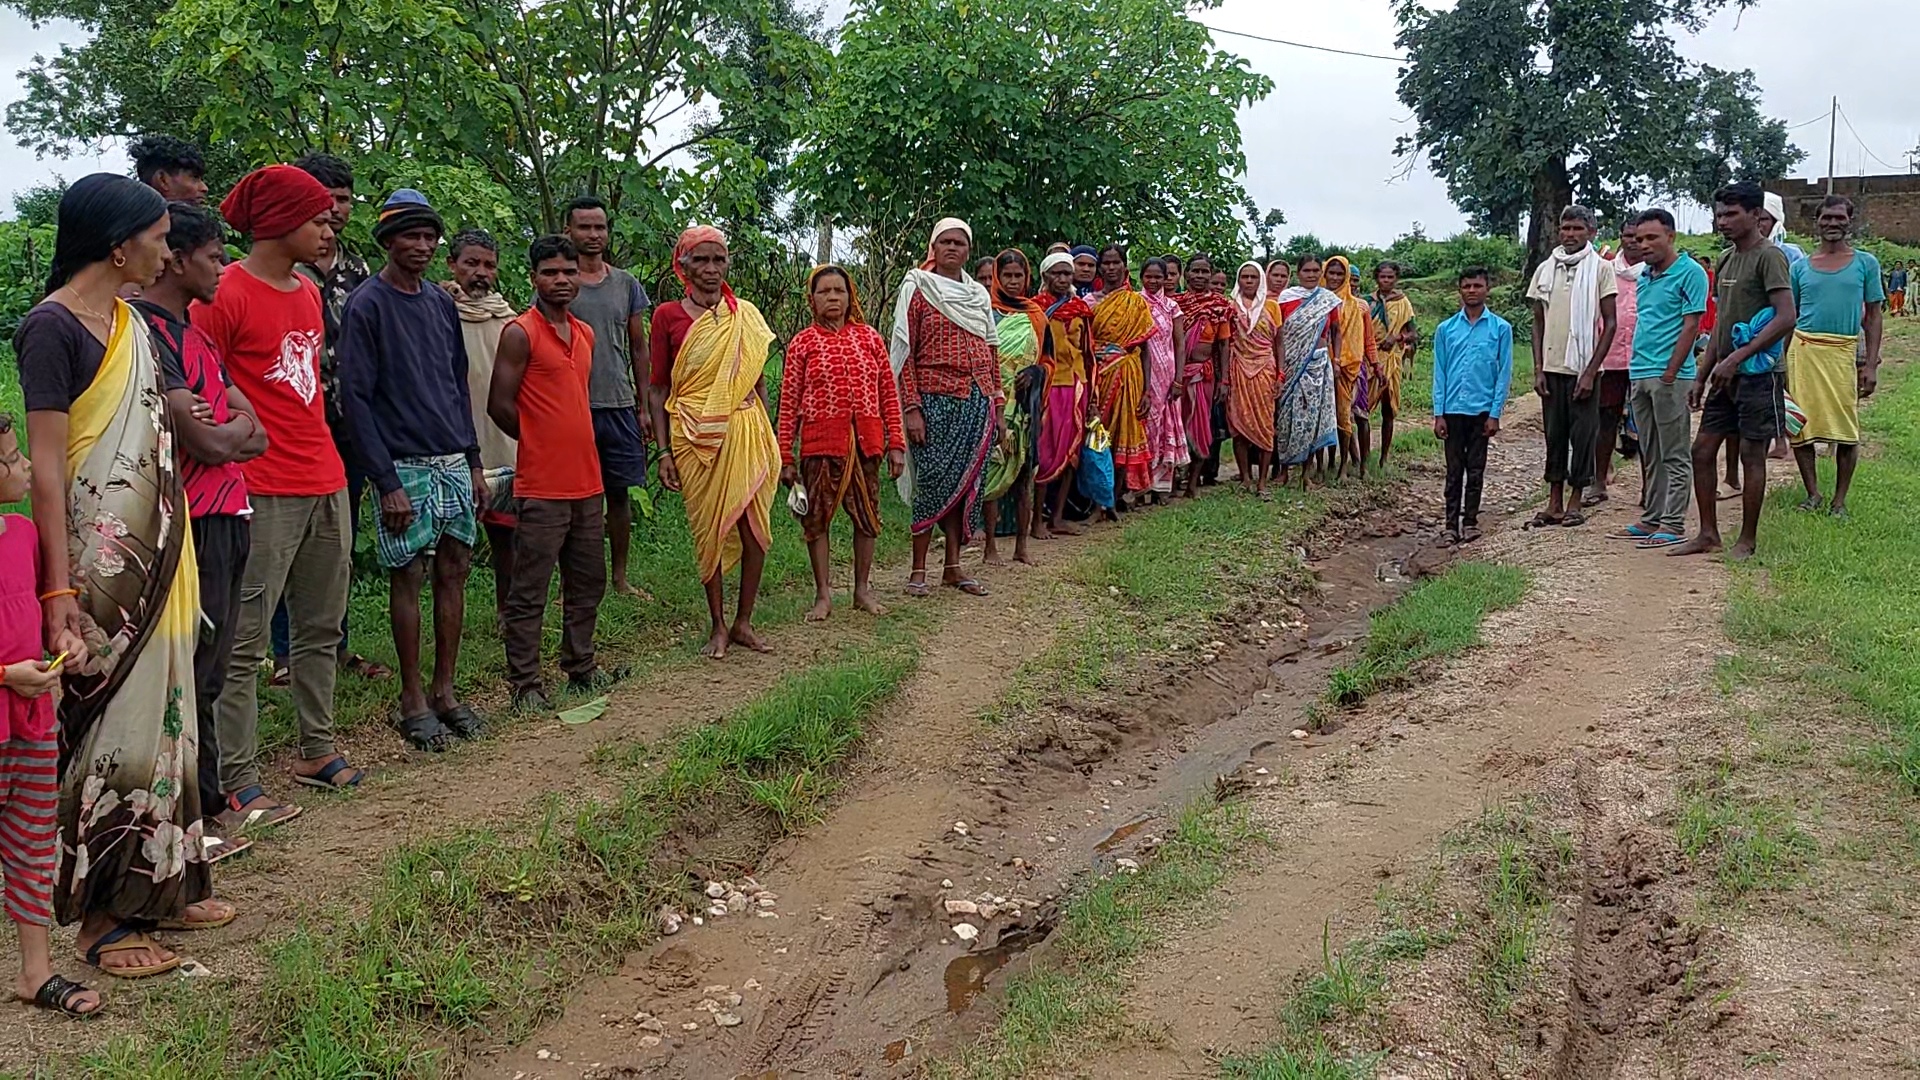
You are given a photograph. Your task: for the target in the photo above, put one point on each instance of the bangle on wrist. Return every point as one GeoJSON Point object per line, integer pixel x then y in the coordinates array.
{"type": "Point", "coordinates": [52, 593]}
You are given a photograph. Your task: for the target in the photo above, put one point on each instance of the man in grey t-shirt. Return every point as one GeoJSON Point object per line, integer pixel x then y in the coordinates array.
{"type": "Point", "coordinates": [612, 302]}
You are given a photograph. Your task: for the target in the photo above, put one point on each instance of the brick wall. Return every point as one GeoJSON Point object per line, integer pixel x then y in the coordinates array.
{"type": "Point", "coordinates": [1887, 206]}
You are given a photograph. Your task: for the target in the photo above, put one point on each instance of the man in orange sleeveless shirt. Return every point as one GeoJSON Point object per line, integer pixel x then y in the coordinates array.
{"type": "Point", "coordinates": [539, 396]}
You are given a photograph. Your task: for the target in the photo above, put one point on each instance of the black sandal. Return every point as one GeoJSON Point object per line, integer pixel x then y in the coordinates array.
{"type": "Point", "coordinates": [57, 994]}
{"type": "Point", "coordinates": [425, 732]}
{"type": "Point", "coordinates": [463, 721]}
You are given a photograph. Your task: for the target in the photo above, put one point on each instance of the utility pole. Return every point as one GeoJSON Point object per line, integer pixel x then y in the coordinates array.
{"type": "Point", "coordinates": [1833, 120]}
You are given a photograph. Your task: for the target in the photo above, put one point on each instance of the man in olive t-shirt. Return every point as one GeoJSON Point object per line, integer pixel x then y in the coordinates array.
{"type": "Point", "coordinates": [1743, 387]}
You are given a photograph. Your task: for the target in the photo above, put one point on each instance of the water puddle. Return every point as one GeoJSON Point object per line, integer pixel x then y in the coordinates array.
{"type": "Point", "coordinates": [1118, 836]}
{"type": "Point", "coordinates": [966, 976]}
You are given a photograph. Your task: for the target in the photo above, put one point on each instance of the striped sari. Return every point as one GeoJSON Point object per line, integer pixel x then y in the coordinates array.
{"type": "Point", "coordinates": [130, 804]}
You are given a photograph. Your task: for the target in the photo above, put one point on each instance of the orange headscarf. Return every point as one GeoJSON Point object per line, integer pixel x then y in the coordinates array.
{"type": "Point", "coordinates": [693, 237]}
{"type": "Point", "coordinates": [854, 314]}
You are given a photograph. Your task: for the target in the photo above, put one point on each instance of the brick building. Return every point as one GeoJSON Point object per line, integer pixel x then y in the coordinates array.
{"type": "Point", "coordinates": [1887, 206]}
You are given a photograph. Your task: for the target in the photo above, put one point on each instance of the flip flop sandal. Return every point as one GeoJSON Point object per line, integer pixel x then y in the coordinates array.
{"type": "Point", "coordinates": [1543, 519]}
{"type": "Point", "coordinates": [265, 815]}
{"type": "Point", "coordinates": [365, 668]}
{"type": "Point", "coordinates": [1573, 519]}
{"type": "Point", "coordinates": [215, 848]}
{"type": "Point", "coordinates": [326, 778]}
{"type": "Point", "coordinates": [282, 676]}
{"type": "Point", "coordinates": [125, 938]}
{"type": "Point", "coordinates": [1660, 540]}
{"type": "Point", "coordinates": [1592, 501]}
{"type": "Point", "coordinates": [1631, 532]}
{"type": "Point", "coordinates": [57, 994]}
{"type": "Point", "coordinates": [918, 588]}
{"type": "Point", "coordinates": [1811, 506]}
{"type": "Point", "coordinates": [1469, 534]}
{"type": "Point", "coordinates": [425, 732]}
{"type": "Point", "coordinates": [463, 721]}
{"type": "Point", "coordinates": [197, 924]}
{"type": "Point", "coordinates": [970, 586]}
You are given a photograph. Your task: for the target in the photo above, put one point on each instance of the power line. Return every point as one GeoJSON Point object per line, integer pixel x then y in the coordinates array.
{"type": "Point", "coordinates": [1304, 45]}
{"type": "Point", "coordinates": [1804, 123]}
{"type": "Point", "coordinates": [1863, 142]}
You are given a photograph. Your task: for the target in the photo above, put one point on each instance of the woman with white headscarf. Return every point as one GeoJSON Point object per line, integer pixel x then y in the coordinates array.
{"type": "Point", "coordinates": [943, 350]}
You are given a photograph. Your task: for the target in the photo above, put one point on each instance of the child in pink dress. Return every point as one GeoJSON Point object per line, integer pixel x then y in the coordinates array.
{"type": "Point", "coordinates": [29, 752]}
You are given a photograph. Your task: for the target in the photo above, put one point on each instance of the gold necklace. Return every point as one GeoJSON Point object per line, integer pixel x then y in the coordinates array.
{"type": "Point", "coordinates": [87, 308]}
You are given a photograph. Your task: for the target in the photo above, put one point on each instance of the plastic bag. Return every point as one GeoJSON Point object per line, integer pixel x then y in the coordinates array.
{"type": "Point", "coordinates": [1095, 475]}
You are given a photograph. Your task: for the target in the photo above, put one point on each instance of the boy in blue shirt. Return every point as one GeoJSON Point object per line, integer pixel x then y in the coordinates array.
{"type": "Point", "coordinates": [1472, 368]}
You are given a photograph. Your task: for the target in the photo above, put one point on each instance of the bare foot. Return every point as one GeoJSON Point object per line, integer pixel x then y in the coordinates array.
{"type": "Point", "coordinates": [993, 558]}
{"type": "Point", "coordinates": [716, 646]}
{"type": "Point", "coordinates": [864, 600]}
{"type": "Point", "coordinates": [625, 588]}
{"type": "Point", "coordinates": [1701, 544]}
{"type": "Point", "coordinates": [742, 634]}
{"type": "Point", "coordinates": [1041, 532]}
{"type": "Point", "coordinates": [821, 608]}
{"type": "Point", "coordinates": [1022, 556]}
{"type": "Point", "coordinates": [1064, 529]}
{"type": "Point", "coordinates": [1741, 551]}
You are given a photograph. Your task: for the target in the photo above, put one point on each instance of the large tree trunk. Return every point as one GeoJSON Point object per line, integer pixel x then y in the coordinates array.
{"type": "Point", "coordinates": [1552, 193]}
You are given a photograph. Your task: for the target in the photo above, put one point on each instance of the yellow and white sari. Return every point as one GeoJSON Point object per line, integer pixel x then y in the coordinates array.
{"type": "Point", "coordinates": [130, 806]}
{"type": "Point", "coordinates": [723, 442]}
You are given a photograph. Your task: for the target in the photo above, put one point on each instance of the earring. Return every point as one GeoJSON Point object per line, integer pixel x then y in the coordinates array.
{"type": "Point", "coordinates": [119, 261]}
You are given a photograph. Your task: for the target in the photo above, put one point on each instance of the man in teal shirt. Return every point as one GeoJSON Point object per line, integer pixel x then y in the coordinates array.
{"type": "Point", "coordinates": [1472, 368]}
{"type": "Point", "coordinates": [1672, 297]}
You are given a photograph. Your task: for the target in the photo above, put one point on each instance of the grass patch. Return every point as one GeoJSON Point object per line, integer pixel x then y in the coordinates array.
{"type": "Point", "coordinates": [1315, 1062]}
{"type": "Point", "coordinates": [1157, 585]}
{"type": "Point", "coordinates": [1106, 926]}
{"type": "Point", "coordinates": [1516, 866]}
{"type": "Point", "coordinates": [1839, 598]}
{"type": "Point", "coordinates": [1748, 843]}
{"type": "Point", "coordinates": [1347, 985]}
{"type": "Point", "coordinates": [482, 932]}
{"type": "Point", "coordinates": [1438, 617]}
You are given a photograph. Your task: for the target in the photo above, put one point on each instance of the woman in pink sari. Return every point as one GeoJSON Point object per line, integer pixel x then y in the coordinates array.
{"type": "Point", "coordinates": [1166, 391]}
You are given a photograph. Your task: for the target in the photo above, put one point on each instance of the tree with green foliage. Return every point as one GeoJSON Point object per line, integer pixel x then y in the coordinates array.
{"type": "Point", "coordinates": [1035, 120]}
{"type": "Point", "coordinates": [1522, 105]}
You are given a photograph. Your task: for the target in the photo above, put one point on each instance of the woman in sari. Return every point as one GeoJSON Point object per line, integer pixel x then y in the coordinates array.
{"type": "Point", "coordinates": [1122, 323]}
{"type": "Point", "coordinates": [1279, 278]}
{"type": "Point", "coordinates": [1253, 376]}
{"type": "Point", "coordinates": [1166, 389]}
{"type": "Point", "coordinates": [723, 457]}
{"type": "Point", "coordinates": [1209, 331]}
{"type": "Point", "coordinates": [1019, 325]}
{"type": "Point", "coordinates": [1354, 370]}
{"type": "Point", "coordinates": [1306, 425]}
{"type": "Point", "coordinates": [942, 350]}
{"type": "Point", "coordinates": [122, 599]}
{"type": "Point", "coordinates": [1064, 415]}
{"type": "Point", "coordinates": [1398, 337]}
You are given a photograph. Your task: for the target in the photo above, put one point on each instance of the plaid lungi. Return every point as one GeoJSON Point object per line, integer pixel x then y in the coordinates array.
{"type": "Point", "coordinates": [441, 490]}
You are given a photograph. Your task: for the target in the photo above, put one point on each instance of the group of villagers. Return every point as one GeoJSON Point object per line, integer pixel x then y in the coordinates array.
{"type": "Point", "coordinates": [1008, 399]}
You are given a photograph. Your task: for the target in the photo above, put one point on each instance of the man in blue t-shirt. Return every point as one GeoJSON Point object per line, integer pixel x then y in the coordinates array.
{"type": "Point", "coordinates": [1838, 296]}
{"type": "Point", "coordinates": [403, 370]}
{"type": "Point", "coordinates": [1672, 297]}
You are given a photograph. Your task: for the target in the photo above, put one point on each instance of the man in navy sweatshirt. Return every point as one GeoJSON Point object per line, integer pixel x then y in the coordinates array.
{"type": "Point", "coordinates": [403, 368]}
{"type": "Point", "coordinates": [1472, 367]}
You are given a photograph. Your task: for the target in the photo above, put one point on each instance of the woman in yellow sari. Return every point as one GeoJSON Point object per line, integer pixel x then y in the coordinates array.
{"type": "Point", "coordinates": [1354, 371]}
{"type": "Point", "coordinates": [1122, 323]}
{"type": "Point", "coordinates": [122, 594]}
{"type": "Point", "coordinates": [1397, 337]}
{"type": "Point", "coordinates": [1254, 375]}
{"type": "Point", "coordinates": [724, 458]}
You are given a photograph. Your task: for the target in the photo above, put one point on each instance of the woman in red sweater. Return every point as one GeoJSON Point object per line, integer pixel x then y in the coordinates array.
{"type": "Point", "coordinates": [838, 392]}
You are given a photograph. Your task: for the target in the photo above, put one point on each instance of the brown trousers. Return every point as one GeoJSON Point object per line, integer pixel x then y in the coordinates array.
{"type": "Point", "coordinates": [568, 533]}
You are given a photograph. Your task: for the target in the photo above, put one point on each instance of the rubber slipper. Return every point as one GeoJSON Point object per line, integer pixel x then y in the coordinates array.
{"type": "Point", "coordinates": [425, 732]}
{"type": "Point", "coordinates": [1811, 506]}
{"type": "Point", "coordinates": [57, 994]}
{"type": "Point", "coordinates": [365, 668]}
{"type": "Point", "coordinates": [1660, 540]}
{"type": "Point", "coordinates": [1631, 532]}
{"type": "Point", "coordinates": [918, 588]}
{"type": "Point", "coordinates": [215, 848]}
{"type": "Point", "coordinates": [1592, 501]}
{"type": "Point", "coordinates": [1543, 519]}
{"type": "Point", "coordinates": [970, 587]}
{"type": "Point", "coordinates": [234, 818]}
{"type": "Point", "coordinates": [197, 924]}
{"type": "Point", "coordinates": [282, 676]}
{"type": "Point", "coordinates": [326, 780]}
{"type": "Point", "coordinates": [1573, 519]}
{"type": "Point", "coordinates": [125, 938]}
{"type": "Point", "coordinates": [463, 721]}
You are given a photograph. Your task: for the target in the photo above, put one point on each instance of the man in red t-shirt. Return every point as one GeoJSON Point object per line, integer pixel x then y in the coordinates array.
{"type": "Point", "coordinates": [265, 322]}
{"type": "Point", "coordinates": [539, 396]}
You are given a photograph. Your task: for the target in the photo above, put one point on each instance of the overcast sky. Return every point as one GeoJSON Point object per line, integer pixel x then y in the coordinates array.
{"type": "Point", "coordinates": [1333, 171]}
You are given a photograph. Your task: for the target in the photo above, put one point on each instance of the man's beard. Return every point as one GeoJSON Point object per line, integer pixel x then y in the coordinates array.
{"type": "Point", "coordinates": [476, 289]}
